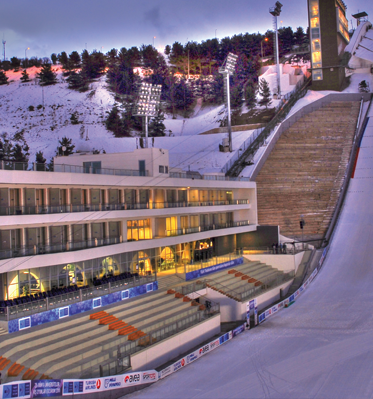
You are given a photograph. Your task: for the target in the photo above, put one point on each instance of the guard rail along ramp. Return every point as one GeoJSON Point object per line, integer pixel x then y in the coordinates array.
{"type": "Point", "coordinates": [249, 152]}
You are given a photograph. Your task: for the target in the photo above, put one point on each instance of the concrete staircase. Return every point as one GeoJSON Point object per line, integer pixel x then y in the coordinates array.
{"type": "Point", "coordinates": [304, 173]}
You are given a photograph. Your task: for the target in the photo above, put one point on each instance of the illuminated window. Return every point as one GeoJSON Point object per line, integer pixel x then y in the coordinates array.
{"type": "Point", "coordinates": [317, 74]}
{"type": "Point", "coordinates": [316, 57]}
{"type": "Point", "coordinates": [139, 230]}
{"type": "Point", "coordinates": [315, 23]}
{"type": "Point", "coordinates": [316, 45]}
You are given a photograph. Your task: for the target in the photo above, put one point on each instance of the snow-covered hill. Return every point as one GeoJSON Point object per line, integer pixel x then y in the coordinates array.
{"type": "Point", "coordinates": [43, 114]}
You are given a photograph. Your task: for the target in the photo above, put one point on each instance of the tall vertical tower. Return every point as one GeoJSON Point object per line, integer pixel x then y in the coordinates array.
{"type": "Point", "coordinates": [328, 37]}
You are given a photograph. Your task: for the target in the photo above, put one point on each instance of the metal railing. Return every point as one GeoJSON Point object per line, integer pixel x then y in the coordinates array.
{"type": "Point", "coordinates": [243, 293]}
{"type": "Point", "coordinates": [48, 209]}
{"type": "Point", "coordinates": [41, 249]}
{"type": "Point", "coordinates": [197, 176]}
{"type": "Point", "coordinates": [42, 167]}
{"type": "Point", "coordinates": [27, 309]}
{"type": "Point", "coordinates": [282, 111]}
{"type": "Point", "coordinates": [191, 230]}
{"type": "Point", "coordinates": [182, 321]}
{"type": "Point", "coordinates": [243, 147]}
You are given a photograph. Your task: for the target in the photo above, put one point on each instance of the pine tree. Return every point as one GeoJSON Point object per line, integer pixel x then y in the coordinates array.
{"type": "Point", "coordinates": [46, 75]}
{"type": "Point", "coordinates": [40, 161]}
{"type": "Point", "coordinates": [20, 154]}
{"type": "Point", "coordinates": [265, 93]}
{"type": "Point", "coordinates": [156, 125]}
{"type": "Point", "coordinates": [67, 143]}
{"type": "Point", "coordinates": [3, 78]}
{"type": "Point", "coordinates": [250, 94]}
{"type": "Point", "coordinates": [25, 76]}
{"type": "Point", "coordinates": [77, 81]}
{"type": "Point", "coordinates": [113, 122]}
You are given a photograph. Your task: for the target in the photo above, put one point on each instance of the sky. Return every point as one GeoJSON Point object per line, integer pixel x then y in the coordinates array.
{"type": "Point", "coordinates": [49, 26]}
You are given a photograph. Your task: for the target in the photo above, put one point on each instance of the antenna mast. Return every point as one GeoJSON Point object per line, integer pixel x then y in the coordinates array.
{"type": "Point", "coordinates": [4, 48]}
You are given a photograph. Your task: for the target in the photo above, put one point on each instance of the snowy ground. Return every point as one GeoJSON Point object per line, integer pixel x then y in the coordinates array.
{"type": "Point", "coordinates": [322, 346]}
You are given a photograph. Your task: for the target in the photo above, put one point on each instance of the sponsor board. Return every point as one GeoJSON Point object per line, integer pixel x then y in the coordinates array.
{"type": "Point", "coordinates": [178, 365]}
{"type": "Point", "coordinates": [214, 344]}
{"type": "Point", "coordinates": [132, 379]}
{"type": "Point", "coordinates": [165, 372]}
{"type": "Point", "coordinates": [192, 357]}
{"type": "Point", "coordinates": [46, 388]}
{"type": "Point", "coordinates": [63, 312]}
{"type": "Point", "coordinates": [204, 349]}
{"type": "Point", "coordinates": [238, 330]}
{"type": "Point", "coordinates": [73, 386]}
{"type": "Point", "coordinates": [24, 323]}
{"type": "Point", "coordinates": [16, 390]}
{"type": "Point", "coordinates": [149, 376]}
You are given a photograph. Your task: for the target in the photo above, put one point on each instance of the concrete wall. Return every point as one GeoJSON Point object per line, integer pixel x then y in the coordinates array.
{"type": "Point", "coordinates": [230, 310]}
{"type": "Point", "coordinates": [281, 262]}
{"type": "Point", "coordinates": [174, 346]}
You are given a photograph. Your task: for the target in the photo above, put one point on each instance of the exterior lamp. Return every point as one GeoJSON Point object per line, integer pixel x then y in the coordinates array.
{"type": "Point", "coordinates": [227, 69]}
{"type": "Point", "coordinates": [149, 98]}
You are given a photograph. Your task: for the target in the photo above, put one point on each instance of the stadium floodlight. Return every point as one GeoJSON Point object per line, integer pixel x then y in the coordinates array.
{"type": "Point", "coordinates": [149, 98]}
{"type": "Point", "coordinates": [227, 69]}
{"type": "Point", "coordinates": [276, 11]}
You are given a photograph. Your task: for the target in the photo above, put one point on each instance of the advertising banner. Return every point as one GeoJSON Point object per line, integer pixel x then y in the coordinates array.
{"type": "Point", "coordinates": [16, 390]}
{"type": "Point", "coordinates": [212, 269]}
{"type": "Point", "coordinates": [46, 388]}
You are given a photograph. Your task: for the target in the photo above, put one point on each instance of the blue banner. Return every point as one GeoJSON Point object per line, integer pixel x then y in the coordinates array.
{"type": "Point", "coordinates": [212, 269]}
{"type": "Point", "coordinates": [80, 307]}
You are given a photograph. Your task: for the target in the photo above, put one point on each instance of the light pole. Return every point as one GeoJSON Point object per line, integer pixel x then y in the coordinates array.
{"type": "Point", "coordinates": [261, 46]}
{"type": "Point", "coordinates": [227, 69]}
{"type": "Point", "coordinates": [148, 103]}
{"type": "Point", "coordinates": [28, 48]}
{"type": "Point", "coordinates": [276, 11]}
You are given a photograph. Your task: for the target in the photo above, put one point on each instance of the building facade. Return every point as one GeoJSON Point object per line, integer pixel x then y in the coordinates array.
{"type": "Point", "coordinates": [107, 214]}
{"type": "Point", "coordinates": [328, 38]}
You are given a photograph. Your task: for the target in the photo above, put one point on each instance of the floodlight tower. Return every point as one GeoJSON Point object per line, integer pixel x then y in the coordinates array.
{"type": "Point", "coordinates": [148, 103]}
{"type": "Point", "coordinates": [227, 69]}
{"type": "Point", "coordinates": [276, 11]}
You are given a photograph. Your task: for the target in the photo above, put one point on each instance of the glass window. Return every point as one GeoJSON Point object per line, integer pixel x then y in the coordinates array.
{"type": "Point", "coordinates": [317, 74]}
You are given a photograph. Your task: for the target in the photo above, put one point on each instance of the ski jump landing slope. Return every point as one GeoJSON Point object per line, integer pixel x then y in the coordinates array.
{"type": "Point", "coordinates": [320, 347]}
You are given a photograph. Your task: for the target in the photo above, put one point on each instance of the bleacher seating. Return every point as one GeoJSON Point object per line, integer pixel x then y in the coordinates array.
{"type": "Point", "coordinates": [78, 345]}
{"type": "Point", "coordinates": [304, 173]}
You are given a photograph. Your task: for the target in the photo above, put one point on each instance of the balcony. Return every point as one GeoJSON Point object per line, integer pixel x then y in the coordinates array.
{"type": "Point", "coordinates": [42, 249]}
{"type": "Point", "coordinates": [44, 209]}
{"type": "Point", "coordinates": [199, 229]}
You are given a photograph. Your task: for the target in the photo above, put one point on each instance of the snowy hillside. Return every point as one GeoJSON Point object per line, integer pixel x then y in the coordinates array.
{"type": "Point", "coordinates": [21, 110]}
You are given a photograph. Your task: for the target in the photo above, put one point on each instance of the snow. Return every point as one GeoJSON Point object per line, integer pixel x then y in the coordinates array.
{"type": "Point", "coordinates": [321, 347]}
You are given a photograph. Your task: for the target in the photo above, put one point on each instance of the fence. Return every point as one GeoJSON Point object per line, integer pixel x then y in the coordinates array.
{"type": "Point", "coordinates": [180, 322]}
{"type": "Point", "coordinates": [27, 309]}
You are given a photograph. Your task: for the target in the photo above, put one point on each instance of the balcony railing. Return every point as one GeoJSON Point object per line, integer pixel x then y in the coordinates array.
{"type": "Point", "coordinates": [49, 209]}
{"type": "Point", "coordinates": [42, 249]}
{"type": "Point", "coordinates": [199, 229]}
{"type": "Point", "coordinates": [29, 308]}
{"type": "Point", "coordinates": [42, 167]}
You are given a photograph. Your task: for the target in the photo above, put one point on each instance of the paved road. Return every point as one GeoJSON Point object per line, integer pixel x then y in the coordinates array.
{"type": "Point", "coordinates": [322, 346]}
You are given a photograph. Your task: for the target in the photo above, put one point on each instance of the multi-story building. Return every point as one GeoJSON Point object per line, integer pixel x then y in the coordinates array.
{"type": "Point", "coordinates": [328, 38]}
{"type": "Point", "coordinates": [106, 214]}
